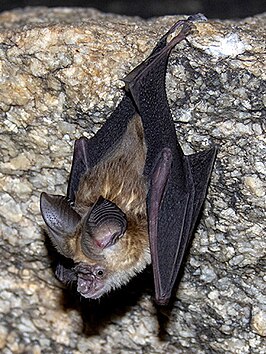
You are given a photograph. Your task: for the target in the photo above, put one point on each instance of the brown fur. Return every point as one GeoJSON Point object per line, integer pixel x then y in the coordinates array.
{"type": "Point", "coordinates": [119, 178]}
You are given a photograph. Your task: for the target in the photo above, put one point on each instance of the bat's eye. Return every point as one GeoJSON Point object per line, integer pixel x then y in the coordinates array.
{"type": "Point", "coordinates": [100, 273]}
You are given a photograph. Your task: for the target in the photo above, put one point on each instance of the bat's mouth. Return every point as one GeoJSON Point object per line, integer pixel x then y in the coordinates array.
{"type": "Point", "coordinates": [90, 288]}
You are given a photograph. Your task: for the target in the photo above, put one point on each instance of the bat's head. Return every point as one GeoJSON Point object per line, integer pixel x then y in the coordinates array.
{"type": "Point", "coordinates": [98, 241]}
{"type": "Point", "coordinates": [90, 279]}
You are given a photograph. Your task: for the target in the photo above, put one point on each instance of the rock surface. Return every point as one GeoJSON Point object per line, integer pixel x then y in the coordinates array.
{"type": "Point", "coordinates": [60, 74]}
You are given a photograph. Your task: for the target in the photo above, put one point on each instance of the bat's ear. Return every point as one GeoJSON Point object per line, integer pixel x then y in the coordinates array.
{"type": "Point", "coordinates": [104, 224]}
{"type": "Point", "coordinates": [61, 220]}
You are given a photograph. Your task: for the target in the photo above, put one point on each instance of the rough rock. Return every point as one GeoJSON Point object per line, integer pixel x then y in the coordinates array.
{"type": "Point", "coordinates": [60, 77]}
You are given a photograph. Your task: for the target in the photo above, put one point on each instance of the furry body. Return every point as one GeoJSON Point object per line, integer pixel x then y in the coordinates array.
{"type": "Point", "coordinates": [119, 178]}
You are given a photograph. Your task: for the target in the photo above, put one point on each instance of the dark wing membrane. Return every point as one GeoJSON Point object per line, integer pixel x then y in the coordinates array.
{"type": "Point", "coordinates": [89, 152]}
{"type": "Point", "coordinates": [178, 214]}
{"type": "Point", "coordinates": [169, 214]}
{"type": "Point", "coordinates": [200, 165]}
{"type": "Point", "coordinates": [175, 195]}
{"type": "Point", "coordinates": [170, 237]}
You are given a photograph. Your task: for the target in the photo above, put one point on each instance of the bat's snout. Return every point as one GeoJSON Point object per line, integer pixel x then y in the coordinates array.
{"type": "Point", "coordinates": [90, 287]}
{"type": "Point", "coordinates": [84, 285]}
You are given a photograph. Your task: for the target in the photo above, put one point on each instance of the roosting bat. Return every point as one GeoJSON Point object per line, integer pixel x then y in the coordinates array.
{"type": "Point", "coordinates": [133, 196]}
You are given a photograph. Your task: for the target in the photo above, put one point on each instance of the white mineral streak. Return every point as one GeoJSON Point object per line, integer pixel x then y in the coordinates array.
{"type": "Point", "coordinates": [230, 45]}
{"type": "Point", "coordinates": [60, 76]}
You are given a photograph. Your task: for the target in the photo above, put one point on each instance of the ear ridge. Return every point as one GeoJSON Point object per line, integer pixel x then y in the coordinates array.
{"type": "Point", "coordinates": [104, 224]}
{"type": "Point", "coordinates": [61, 220]}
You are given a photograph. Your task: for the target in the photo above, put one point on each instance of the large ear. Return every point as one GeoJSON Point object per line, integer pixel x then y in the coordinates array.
{"type": "Point", "coordinates": [61, 220]}
{"type": "Point", "coordinates": [104, 224]}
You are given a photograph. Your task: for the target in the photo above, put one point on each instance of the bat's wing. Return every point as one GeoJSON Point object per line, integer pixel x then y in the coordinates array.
{"type": "Point", "coordinates": [89, 152]}
{"type": "Point", "coordinates": [178, 183]}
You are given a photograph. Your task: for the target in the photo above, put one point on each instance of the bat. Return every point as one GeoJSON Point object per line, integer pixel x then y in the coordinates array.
{"type": "Point", "coordinates": [133, 197]}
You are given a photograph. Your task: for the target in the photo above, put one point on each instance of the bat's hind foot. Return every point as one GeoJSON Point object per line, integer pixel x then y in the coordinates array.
{"type": "Point", "coordinates": [186, 29]}
{"type": "Point", "coordinates": [163, 48]}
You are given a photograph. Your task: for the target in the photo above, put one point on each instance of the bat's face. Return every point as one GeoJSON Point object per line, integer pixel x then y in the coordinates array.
{"type": "Point", "coordinates": [94, 280]}
{"type": "Point", "coordinates": [107, 247]}
{"type": "Point", "coordinates": [91, 280]}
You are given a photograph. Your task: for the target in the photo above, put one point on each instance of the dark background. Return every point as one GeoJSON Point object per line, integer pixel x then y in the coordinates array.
{"type": "Point", "coordinates": [148, 8]}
